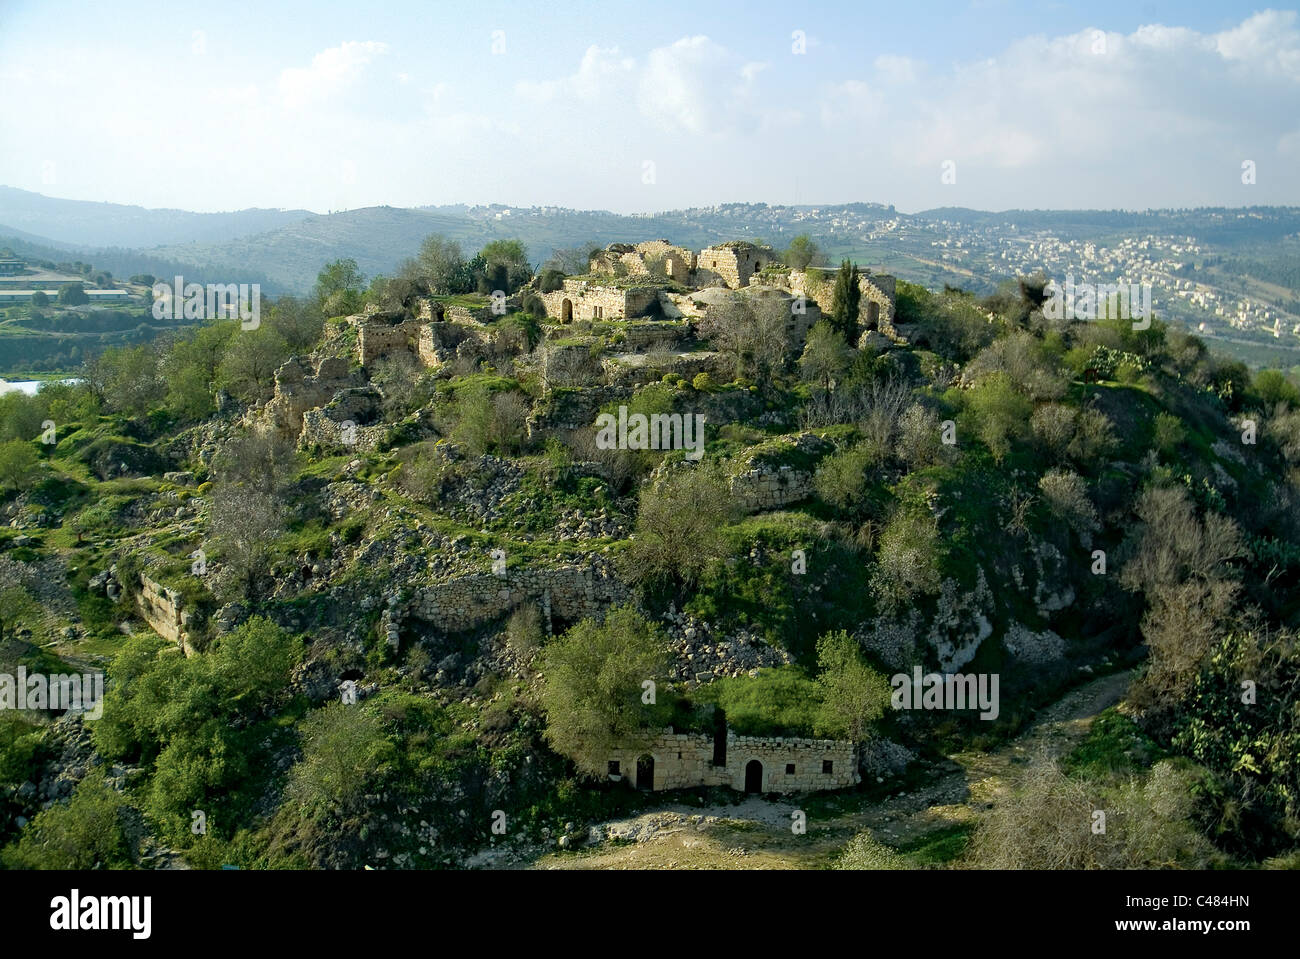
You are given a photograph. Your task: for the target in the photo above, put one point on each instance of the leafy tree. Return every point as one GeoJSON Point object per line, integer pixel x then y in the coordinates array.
{"type": "Point", "coordinates": [40, 299]}
{"type": "Point", "coordinates": [127, 378]}
{"type": "Point", "coordinates": [826, 357]}
{"type": "Point", "coordinates": [679, 525]}
{"type": "Point", "coordinates": [1000, 413]}
{"type": "Point", "coordinates": [73, 294]}
{"type": "Point", "coordinates": [803, 252]}
{"type": "Point", "coordinates": [853, 695]}
{"type": "Point", "coordinates": [190, 368]}
{"type": "Point", "coordinates": [339, 276]}
{"type": "Point", "coordinates": [907, 564]}
{"type": "Point", "coordinates": [86, 833]}
{"type": "Point", "coordinates": [506, 263]}
{"type": "Point", "coordinates": [345, 750]}
{"type": "Point", "coordinates": [296, 322]}
{"type": "Point", "coordinates": [490, 421]}
{"type": "Point", "coordinates": [441, 265]}
{"type": "Point", "coordinates": [845, 300]}
{"type": "Point", "coordinates": [19, 464]}
{"type": "Point", "coordinates": [841, 478]}
{"type": "Point", "coordinates": [593, 689]}
{"type": "Point", "coordinates": [252, 357]}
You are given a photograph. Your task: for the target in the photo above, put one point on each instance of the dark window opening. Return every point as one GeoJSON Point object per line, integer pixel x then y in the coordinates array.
{"type": "Point", "coordinates": [789, 769]}
{"type": "Point", "coordinates": [613, 767]}
{"type": "Point", "coordinates": [827, 766]}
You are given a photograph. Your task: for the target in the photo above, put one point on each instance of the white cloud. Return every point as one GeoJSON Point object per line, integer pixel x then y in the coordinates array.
{"type": "Point", "coordinates": [695, 86]}
{"type": "Point", "coordinates": [331, 72]}
{"type": "Point", "coordinates": [601, 72]}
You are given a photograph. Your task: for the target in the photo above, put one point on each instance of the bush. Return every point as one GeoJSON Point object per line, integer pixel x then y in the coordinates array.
{"type": "Point", "coordinates": [704, 383]}
{"type": "Point", "coordinates": [779, 701]}
{"type": "Point", "coordinates": [593, 694]}
{"type": "Point", "coordinates": [841, 478]}
{"type": "Point", "coordinates": [679, 526]}
{"type": "Point", "coordinates": [524, 630]}
{"type": "Point", "coordinates": [86, 833]}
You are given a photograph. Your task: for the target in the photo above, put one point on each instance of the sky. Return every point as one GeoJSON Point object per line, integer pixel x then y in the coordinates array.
{"type": "Point", "coordinates": [651, 106]}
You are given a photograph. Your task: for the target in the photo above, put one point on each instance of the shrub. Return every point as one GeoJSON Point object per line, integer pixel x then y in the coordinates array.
{"type": "Point", "coordinates": [86, 833]}
{"type": "Point", "coordinates": [679, 526]}
{"type": "Point", "coordinates": [593, 694]}
{"type": "Point", "coordinates": [907, 564]}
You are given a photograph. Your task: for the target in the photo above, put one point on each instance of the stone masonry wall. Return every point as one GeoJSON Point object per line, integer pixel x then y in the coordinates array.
{"type": "Point", "coordinates": [161, 608]}
{"type": "Point", "coordinates": [877, 288]}
{"type": "Point", "coordinates": [570, 592]}
{"type": "Point", "coordinates": [735, 264]}
{"type": "Point", "coordinates": [585, 299]}
{"type": "Point", "coordinates": [685, 760]}
{"type": "Point", "coordinates": [756, 490]}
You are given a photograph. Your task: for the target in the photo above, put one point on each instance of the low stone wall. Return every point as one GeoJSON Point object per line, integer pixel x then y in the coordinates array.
{"type": "Point", "coordinates": [638, 336]}
{"type": "Point", "coordinates": [574, 409]}
{"type": "Point", "coordinates": [569, 592]}
{"type": "Point", "coordinates": [785, 765]}
{"type": "Point", "coordinates": [761, 489]}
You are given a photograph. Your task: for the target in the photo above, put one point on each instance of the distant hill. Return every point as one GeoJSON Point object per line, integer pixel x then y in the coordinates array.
{"type": "Point", "coordinates": [86, 224]}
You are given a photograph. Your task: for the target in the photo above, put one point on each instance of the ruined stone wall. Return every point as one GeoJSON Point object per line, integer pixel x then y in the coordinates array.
{"type": "Point", "coordinates": [569, 592]}
{"type": "Point", "coordinates": [764, 488]}
{"type": "Point", "coordinates": [163, 610]}
{"type": "Point", "coordinates": [734, 264]}
{"type": "Point", "coordinates": [382, 334]}
{"type": "Point", "coordinates": [574, 409]}
{"type": "Point", "coordinates": [640, 335]}
{"type": "Point", "coordinates": [877, 288]}
{"type": "Point", "coordinates": [593, 302]}
{"type": "Point", "coordinates": [436, 343]}
{"type": "Point", "coordinates": [685, 760]}
{"type": "Point", "coordinates": [319, 427]}
{"type": "Point", "coordinates": [299, 388]}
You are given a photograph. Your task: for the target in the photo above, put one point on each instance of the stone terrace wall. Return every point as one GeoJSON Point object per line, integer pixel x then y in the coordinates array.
{"type": "Point", "coordinates": [685, 760]}
{"type": "Point", "coordinates": [161, 608]}
{"type": "Point", "coordinates": [570, 592]}
{"type": "Point", "coordinates": [765, 488]}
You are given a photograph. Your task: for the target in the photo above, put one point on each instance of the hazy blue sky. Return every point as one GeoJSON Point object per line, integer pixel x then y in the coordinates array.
{"type": "Point", "coordinates": [652, 105]}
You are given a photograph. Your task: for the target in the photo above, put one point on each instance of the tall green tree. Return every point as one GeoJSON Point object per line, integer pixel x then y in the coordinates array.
{"type": "Point", "coordinates": [853, 694]}
{"type": "Point", "coordinates": [802, 253]}
{"type": "Point", "coordinates": [845, 300]}
{"type": "Point", "coordinates": [595, 696]}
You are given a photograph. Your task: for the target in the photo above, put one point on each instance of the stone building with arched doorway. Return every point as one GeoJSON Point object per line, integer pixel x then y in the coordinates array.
{"type": "Point", "coordinates": [758, 764]}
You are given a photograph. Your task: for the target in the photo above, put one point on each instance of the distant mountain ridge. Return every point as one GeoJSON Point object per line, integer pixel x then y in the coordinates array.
{"type": "Point", "coordinates": [86, 224]}
{"type": "Point", "coordinates": [285, 249]}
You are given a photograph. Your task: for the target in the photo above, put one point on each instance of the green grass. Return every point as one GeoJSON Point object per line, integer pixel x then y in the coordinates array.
{"type": "Point", "coordinates": [939, 846]}
{"type": "Point", "coordinates": [1114, 746]}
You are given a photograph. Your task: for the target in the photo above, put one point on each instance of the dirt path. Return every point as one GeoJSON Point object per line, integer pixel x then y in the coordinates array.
{"type": "Point", "coordinates": [755, 833]}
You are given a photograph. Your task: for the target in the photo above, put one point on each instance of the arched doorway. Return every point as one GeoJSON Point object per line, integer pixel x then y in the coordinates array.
{"type": "Point", "coordinates": [566, 312]}
{"type": "Point", "coordinates": [645, 772]}
{"type": "Point", "coordinates": [873, 315]}
{"type": "Point", "coordinates": [753, 776]}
